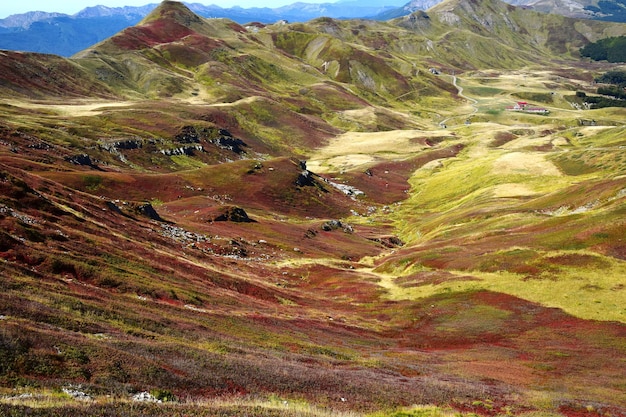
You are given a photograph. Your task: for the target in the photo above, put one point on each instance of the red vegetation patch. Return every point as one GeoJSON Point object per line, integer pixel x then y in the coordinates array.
{"type": "Point", "coordinates": [151, 34]}
{"type": "Point", "coordinates": [590, 410]}
{"type": "Point", "coordinates": [579, 260]}
{"type": "Point", "coordinates": [502, 138]}
{"type": "Point", "coordinates": [236, 27]}
{"type": "Point", "coordinates": [35, 75]}
{"type": "Point", "coordinates": [489, 407]}
{"type": "Point", "coordinates": [387, 182]}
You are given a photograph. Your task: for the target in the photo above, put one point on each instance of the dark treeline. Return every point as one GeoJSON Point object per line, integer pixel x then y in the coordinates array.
{"type": "Point", "coordinates": [608, 49]}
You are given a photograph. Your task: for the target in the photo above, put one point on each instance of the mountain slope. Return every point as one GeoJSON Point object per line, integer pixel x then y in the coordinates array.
{"type": "Point", "coordinates": [347, 218]}
{"type": "Point", "coordinates": [610, 10]}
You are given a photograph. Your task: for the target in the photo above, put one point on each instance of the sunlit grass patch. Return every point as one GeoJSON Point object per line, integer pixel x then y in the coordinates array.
{"type": "Point", "coordinates": [53, 404]}
{"type": "Point", "coordinates": [418, 411]}
{"type": "Point", "coordinates": [583, 284]}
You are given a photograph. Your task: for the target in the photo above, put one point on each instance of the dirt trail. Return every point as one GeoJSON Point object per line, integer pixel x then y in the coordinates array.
{"type": "Point", "coordinates": [473, 102]}
{"type": "Point", "coordinates": [77, 108]}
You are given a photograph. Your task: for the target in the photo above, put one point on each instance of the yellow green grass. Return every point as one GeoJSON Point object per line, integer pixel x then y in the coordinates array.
{"type": "Point", "coordinates": [587, 292]}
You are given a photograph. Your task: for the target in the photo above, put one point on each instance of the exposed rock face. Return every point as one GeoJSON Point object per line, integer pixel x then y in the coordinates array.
{"type": "Point", "coordinates": [305, 179]}
{"type": "Point", "coordinates": [232, 214]}
{"type": "Point", "coordinates": [128, 144]}
{"type": "Point", "coordinates": [147, 210]}
{"type": "Point", "coordinates": [225, 140]}
{"type": "Point", "coordinates": [82, 159]}
{"type": "Point", "coordinates": [113, 207]}
{"type": "Point", "coordinates": [183, 150]}
{"type": "Point", "coordinates": [188, 134]}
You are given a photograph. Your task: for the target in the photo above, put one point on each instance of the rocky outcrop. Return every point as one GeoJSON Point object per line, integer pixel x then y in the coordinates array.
{"type": "Point", "coordinates": [188, 134]}
{"type": "Point", "coordinates": [335, 225]}
{"type": "Point", "coordinates": [305, 179]}
{"type": "Point", "coordinates": [82, 159]}
{"type": "Point", "coordinates": [388, 241]}
{"type": "Point", "coordinates": [225, 140]}
{"type": "Point", "coordinates": [183, 150]}
{"type": "Point", "coordinates": [232, 214]}
{"type": "Point", "coordinates": [147, 210]}
{"type": "Point", "coordinates": [114, 207]}
{"type": "Point", "coordinates": [125, 144]}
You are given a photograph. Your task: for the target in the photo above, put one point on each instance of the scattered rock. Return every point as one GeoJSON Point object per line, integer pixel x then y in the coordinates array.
{"type": "Point", "coordinates": [77, 395]}
{"type": "Point", "coordinates": [42, 146]}
{"type": "Point", "coordinates": [182, 235]}
{"type": "Point", "coordinates": [145, 397]}
{"type": "Point", "coordinates": [389, 241]}
{"type": "Point", "coordinates": [347, 189]}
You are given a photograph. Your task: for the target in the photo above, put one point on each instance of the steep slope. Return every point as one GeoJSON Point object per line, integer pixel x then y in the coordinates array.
{"type": "Point", "coordinates": [39, 76]}
{"type": "Point", "coordinates": [520, 35]}
{"type": "Point", "coordinates": [609, 10]}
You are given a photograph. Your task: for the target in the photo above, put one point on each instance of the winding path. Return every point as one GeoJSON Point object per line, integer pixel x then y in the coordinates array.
{"type": "Point", "coordinates": [473, 102]}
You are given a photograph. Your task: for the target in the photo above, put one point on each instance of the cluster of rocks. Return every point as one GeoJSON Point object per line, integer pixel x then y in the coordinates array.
{"type": "Point", "coordinates": [225, 140]}
{"type": "Point", "coordinates": [187, 142]}
{"type": "Point", "coordinates": [188, 134]}
{"type": "Point", "coordinates": [336, 224]}
{"type": "Point", "coordinates": [189, 150]}
{"type": "Point", "coordinates": [329, 226]}
{"type": "Point", "coordinates": [145, 397]}
{"type": "Point", "coordinates": [181, 235]}
{"type": "Point", "coordinates": [77, 394]}
{"type": "Point", "coordinates": [125, 144]}
{"type": "Point", "coordinates": [41, 146]}
{"type": "Point", "coordinates": [346, 189]}
{"type": "Point", "coordinates": [24, 218]}
{"type": "Point", "coordinates": [389, 241]}
{"type": "Point", "coordinates": [209, 245]}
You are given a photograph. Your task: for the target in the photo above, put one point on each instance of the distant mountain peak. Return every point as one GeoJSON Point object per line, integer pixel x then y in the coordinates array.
{"type": "Point", "coordinates": [466, 5]}
{"type": "Point", "coordinates": [171, 21]}
{"type": "Point", "coordinates": [173, 11]}
{"type": "Point", "coordinates": [24, 20]}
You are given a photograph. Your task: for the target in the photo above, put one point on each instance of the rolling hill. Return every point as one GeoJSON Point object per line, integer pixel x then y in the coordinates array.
{"type": "Point", "coordinates": [416, 217]}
